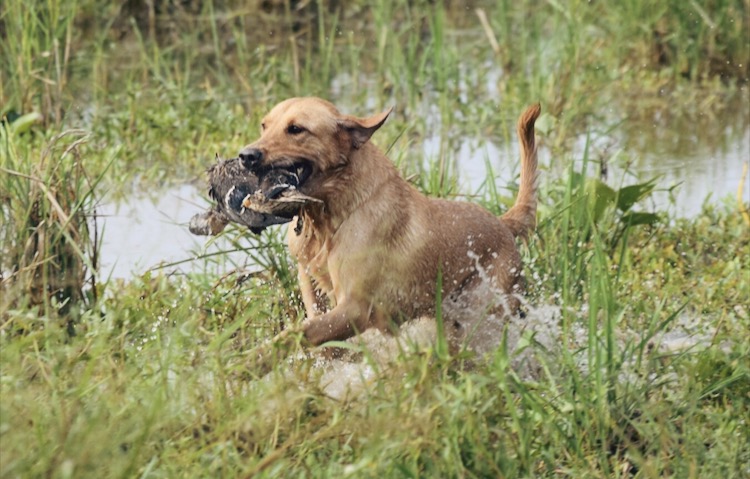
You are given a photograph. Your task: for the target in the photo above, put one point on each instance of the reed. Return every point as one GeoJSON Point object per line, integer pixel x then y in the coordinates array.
{"type": "Point", "coordinates": [50, 241]}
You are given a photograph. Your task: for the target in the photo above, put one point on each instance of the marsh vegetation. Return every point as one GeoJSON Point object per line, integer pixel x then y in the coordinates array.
{"type": "Point", "coordinates": [647, 371]}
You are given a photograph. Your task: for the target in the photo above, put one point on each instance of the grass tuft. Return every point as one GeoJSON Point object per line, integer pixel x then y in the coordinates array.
{"type": "Point", "coordinates": [50, 240]}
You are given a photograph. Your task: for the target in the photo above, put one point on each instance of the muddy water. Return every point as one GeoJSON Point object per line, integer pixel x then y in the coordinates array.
{"type": "Point", "coordinates": [143, 232]}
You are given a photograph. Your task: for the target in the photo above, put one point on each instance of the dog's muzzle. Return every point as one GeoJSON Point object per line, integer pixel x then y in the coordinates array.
{"type": "Point", "coordinates": [250, 158]}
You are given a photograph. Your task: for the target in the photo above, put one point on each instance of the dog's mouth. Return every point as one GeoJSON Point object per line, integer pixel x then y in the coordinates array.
{"type": "Point", "coordinates": [280, 179]}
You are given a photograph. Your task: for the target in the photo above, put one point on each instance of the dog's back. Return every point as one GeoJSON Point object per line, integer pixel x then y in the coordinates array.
{"type": "Point", "coordinates": [464, 244]}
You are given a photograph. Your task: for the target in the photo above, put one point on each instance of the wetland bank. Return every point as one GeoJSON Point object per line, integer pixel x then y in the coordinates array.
{"type": "Point", "coordinates": [638, 320]}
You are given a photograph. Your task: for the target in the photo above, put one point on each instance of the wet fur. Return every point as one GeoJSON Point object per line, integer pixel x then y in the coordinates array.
{"type": "Point", "coordinates": [371, 253]}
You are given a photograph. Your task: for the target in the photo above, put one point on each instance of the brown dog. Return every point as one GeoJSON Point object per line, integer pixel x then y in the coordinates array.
{"type": "Point", "coordinates": [374, 250]}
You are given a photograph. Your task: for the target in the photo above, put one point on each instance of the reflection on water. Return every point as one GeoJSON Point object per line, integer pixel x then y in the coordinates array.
{"type": "Point", "coordinates": [703, 174]}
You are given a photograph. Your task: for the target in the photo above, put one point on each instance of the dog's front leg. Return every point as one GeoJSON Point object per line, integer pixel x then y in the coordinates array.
{"type": "Point", "coordinates": [313, 299]}
{"type": "Point", "coordinates": [348, 318]}
{"type": "Point", "coordinates": [342, 322]}
{"type": "Point", "coordinates": [309, 298]}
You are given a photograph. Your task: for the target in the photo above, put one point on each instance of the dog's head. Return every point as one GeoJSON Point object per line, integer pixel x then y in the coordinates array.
{"type": "Point", "coordinates": [309, 137]}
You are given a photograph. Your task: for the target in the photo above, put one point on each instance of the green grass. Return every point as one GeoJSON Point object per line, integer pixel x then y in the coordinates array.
{"type": "Point", "coordinates": [155, 381]}
{"type": "Point", "coordinates": [175, 89]}
{"type": "Point", "coordinates": [152, 376]}
{"type": "Point", "coordinates": [48, 226]}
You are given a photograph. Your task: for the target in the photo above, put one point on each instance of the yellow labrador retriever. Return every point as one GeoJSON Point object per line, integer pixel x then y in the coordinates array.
{"type": "Point", "coordinates": [375, 250]}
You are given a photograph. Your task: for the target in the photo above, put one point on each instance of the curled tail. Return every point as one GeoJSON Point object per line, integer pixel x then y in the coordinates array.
{"type": "Point", "coordinates": [521, 218]}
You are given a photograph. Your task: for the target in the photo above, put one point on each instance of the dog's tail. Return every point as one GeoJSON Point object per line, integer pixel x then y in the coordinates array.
{"type": "Point", "coordinates": [521, 218]}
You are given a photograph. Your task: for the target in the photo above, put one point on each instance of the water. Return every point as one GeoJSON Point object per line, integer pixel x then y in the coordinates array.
{"type": "Point", "coordinates": [533, 346]}
{"type": "Point", "coordinates": [143, 231]}
{"type": "Point", "coordinates": [696, 171]}
{"type": "Point", "coordinates": [147, 232]}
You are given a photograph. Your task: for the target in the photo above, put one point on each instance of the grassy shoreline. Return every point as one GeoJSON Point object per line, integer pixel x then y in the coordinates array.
{"type": "Point", "coordinates": [155, 381]}
{"type": "Point", "coordinates": [148, 377]}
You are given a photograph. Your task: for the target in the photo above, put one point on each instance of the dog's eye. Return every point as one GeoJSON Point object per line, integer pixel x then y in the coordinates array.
{"type": "Point", "coordinates": [262, 127]}
{"type": "Point", "coordinates": [294, 129]}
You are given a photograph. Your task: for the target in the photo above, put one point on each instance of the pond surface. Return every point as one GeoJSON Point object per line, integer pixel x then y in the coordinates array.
{"type": "Point", "coordinates": [699, 175]}
{"type": "Point", "coordinates": [143, 232]}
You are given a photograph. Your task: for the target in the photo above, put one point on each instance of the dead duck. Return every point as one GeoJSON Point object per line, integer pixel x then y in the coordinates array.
{"type": "Point", "coordinates": [255, 200]}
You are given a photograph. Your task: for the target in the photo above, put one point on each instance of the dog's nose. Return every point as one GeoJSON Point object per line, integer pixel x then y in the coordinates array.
{"type": "Point", "coordinates": [250, 157]}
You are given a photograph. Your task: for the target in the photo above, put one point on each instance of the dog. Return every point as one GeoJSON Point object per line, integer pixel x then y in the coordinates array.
{"type": "Point", "coordinates": [373, 251]}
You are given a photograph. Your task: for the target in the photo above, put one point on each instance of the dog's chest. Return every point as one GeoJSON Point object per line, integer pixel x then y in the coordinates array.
{"type": "Point", "coordinates": [312, 250]}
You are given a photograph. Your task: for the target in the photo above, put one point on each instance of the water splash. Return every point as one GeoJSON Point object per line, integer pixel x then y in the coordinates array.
{"type": "Point", "coordinates": [375, 354]}
{"type": "Point", "coordinates": [533, 342]}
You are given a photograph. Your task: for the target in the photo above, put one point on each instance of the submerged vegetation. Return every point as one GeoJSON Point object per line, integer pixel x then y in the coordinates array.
{"type": "Point", "coordinates": [647, 373]}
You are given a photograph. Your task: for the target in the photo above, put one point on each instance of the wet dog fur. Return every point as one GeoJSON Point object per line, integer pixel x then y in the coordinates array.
{"type": "Point", "coordinates": [374, 250]}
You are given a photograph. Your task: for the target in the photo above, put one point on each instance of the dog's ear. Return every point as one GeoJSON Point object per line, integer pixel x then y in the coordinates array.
{"type": "Point", "coordinates": [361, 129]}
